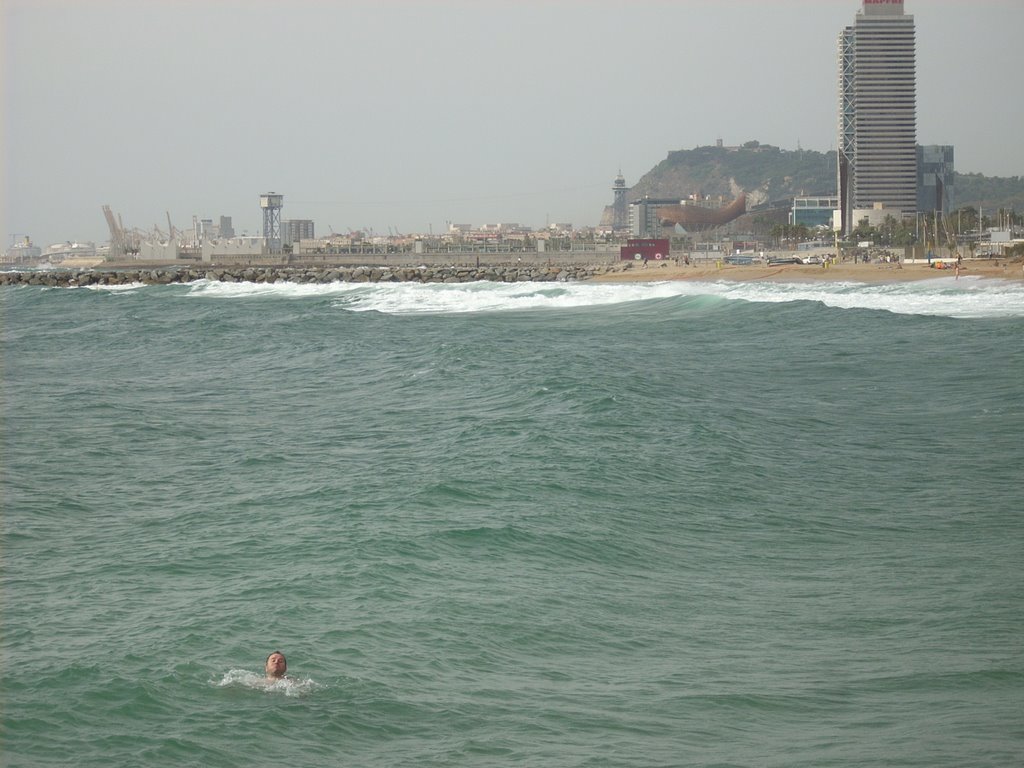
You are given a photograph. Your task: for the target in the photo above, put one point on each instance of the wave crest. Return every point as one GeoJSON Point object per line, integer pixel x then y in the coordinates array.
{"type": "Point", "coordinates": [943, 297]}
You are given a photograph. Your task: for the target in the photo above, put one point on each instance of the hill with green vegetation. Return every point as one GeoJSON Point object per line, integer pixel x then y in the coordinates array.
{"type": "Point", "coordinates": [989, 193]}
{"type": "Point", "coordinates": [769, 174]}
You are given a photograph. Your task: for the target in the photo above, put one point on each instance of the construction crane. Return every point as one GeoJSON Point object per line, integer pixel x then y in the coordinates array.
{"type": "Point", "coordinates": [122, 242]}
{"type": "Point", "coordinates": [117, 239]}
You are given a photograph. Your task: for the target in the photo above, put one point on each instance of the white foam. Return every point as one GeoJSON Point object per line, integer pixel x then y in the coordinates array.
{"type": "Point", "coordinates": [116, 288]}
{"type": "Point", "coordinates": [287, 686]}
{"type": "Point", "coordinates": [945, 297]}
{"type": "Point", "coordinates": [411, 298]}
{"type": "Point", "coordinates": [948, 297]}
{"type": "Point", "coordinates": [216, 289]}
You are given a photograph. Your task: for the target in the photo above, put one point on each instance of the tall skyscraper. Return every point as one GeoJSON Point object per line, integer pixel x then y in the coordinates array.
{"type": "Point", "coordinates": [877, 111]}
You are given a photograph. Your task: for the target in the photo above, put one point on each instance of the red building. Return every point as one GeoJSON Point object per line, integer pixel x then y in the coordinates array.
{"type": "Point", "coordinates": [644, 250]}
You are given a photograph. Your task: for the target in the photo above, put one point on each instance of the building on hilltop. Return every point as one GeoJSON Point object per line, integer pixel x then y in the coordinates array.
{"type": "Point", "coordinates": [877, 157]}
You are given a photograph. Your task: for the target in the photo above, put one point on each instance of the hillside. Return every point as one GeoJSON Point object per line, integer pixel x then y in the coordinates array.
{"type": "Point", "coordinates": [767, 174]}
{"type": "Point", "coordinates": [764, 172]}
{"type": "Point", "coordinates": [990, 193]}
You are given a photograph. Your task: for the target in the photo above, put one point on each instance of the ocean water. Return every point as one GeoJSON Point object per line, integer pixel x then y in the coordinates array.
{"type": "Point", "coordinates": [656, 524]}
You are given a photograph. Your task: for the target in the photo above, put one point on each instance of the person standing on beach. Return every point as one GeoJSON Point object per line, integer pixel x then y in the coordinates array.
{"type": "Point", "coordinates": [276, 666]}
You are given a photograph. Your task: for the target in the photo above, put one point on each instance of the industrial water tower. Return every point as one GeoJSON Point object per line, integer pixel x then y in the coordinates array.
{"type": "Point", "coordinates": [271, 205]}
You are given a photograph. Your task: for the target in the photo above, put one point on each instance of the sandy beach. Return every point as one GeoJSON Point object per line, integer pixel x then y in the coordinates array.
{"type": "Point", "coordinates": [790, 273]}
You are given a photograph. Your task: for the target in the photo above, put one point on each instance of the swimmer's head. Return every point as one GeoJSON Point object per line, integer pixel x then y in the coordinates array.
{"type": "Point", "coordinates": [276, 665]}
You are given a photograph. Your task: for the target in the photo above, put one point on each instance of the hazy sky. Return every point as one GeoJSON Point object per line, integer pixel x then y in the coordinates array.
{"type": "Point", "coordinates": [409, 114]}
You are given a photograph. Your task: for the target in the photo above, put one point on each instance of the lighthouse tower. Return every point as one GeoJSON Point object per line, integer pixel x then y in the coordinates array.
{"type": "Point", "coordinates": [620, 215]}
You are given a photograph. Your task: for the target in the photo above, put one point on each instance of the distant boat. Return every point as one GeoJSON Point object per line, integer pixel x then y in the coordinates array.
{"type": "Point", "coordinates": [23, 253]}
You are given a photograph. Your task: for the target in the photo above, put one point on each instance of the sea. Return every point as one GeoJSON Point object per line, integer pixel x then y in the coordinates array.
{"type": "Point", "coordinates": [526, 524]}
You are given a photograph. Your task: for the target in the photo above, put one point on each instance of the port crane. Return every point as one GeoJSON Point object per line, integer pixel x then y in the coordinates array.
{"type": "Point", "coordinates": [122, 242]}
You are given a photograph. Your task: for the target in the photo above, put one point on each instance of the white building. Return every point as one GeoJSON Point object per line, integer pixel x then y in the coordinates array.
{"type": "Point", "coordinates": [876, 215]}
{"type": "Point", "coordinates": [237, 247]}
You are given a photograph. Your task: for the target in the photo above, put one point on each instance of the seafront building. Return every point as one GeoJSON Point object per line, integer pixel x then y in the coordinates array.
{"type": "Point", "coordinates": [813, 211]}
{"type": "Point", "coordinates": [645, 216]}
{"type": "Point", "coordinates": [207, 230]}
{"type": "Point", "coordinates": [877, 157]}
{"type": "Point", "coordinates": [294, 230]}
{"type": "Point", "coordinates": [935, 192]}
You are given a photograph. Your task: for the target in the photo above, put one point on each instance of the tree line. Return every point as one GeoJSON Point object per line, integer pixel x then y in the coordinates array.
{"type": "Point", "coordinates": [963, 224]}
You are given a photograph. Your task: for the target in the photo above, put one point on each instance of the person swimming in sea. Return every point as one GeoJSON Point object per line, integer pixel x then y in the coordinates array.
{"type": "Point", "coordinates": [276, 666]}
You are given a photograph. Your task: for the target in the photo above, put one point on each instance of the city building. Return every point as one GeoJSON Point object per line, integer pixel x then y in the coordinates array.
{"type": "Point", "coordinates": [294, 230]}
{"type": "Point", "coordinates": [877, 157]}
{"type": "Point", "coordinates": [935, 178]}
{"type": "Point", "coordinates": [813, 211]}
{"type": "Point", "coordinates": [875, 216]}
{"type": "Point", "coordinates": [235, 248]}
{"type": "Point", "coordinates": [645, 216]}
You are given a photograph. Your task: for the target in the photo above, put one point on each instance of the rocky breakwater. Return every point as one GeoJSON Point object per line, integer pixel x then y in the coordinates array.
{"type": "Point", "coordinates": [440, 274]}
